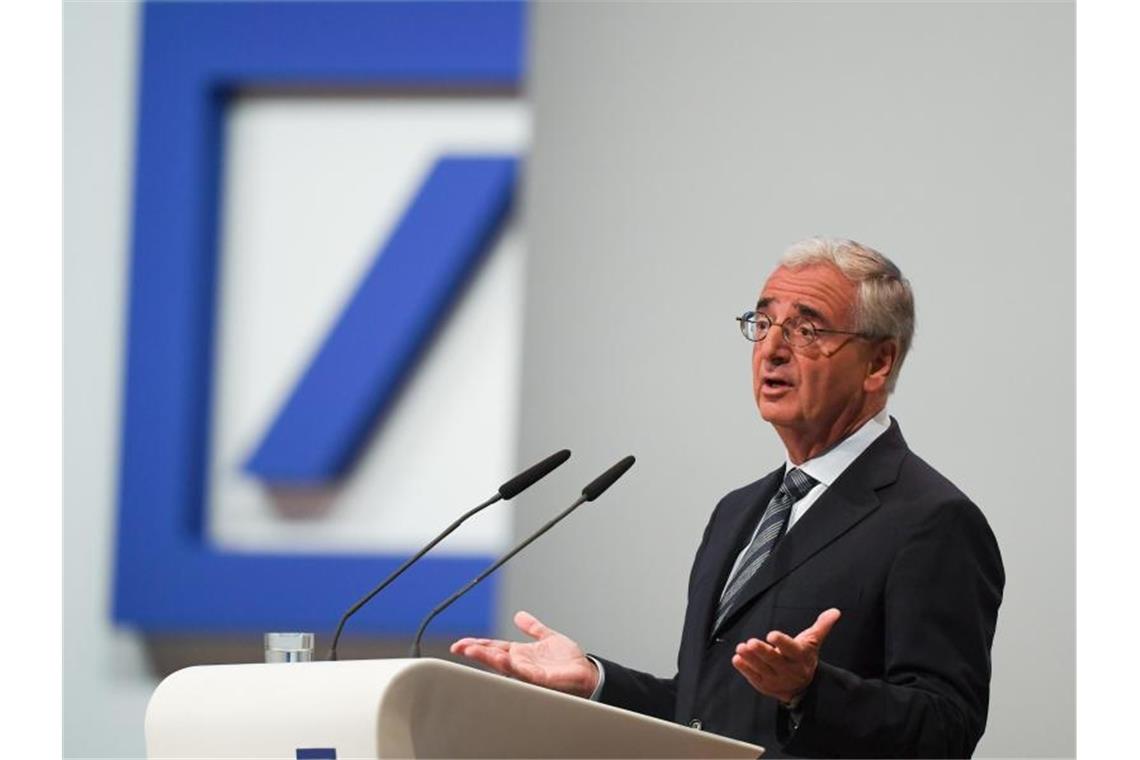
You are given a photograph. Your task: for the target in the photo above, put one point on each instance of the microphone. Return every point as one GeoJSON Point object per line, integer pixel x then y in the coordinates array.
{"type": "Point", "coordinates": [598, 485]}
{"type": "Point", "coordinates": [507, 491]}
{"type": "Point", "coordinates": [593, 490]}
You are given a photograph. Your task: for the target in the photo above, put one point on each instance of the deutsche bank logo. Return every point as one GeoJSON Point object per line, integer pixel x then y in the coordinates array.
{"type": "Point", "coordinates": [195, 57]}
{"type": "Point", "coordinates": [397, 305]}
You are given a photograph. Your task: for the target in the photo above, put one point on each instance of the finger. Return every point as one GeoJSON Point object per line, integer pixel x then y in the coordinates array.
{"type": "Point", "coordinates": [502, 662]}
{"type": "Point", "coordinates": [485, 642]}
{"type": "Point", "coordinates": [465, 641]}
{"type": "Point", "coordinates": [754, 680]}
{"type": "Point", "coordinates": [755, 644]}
{"type": "Point", "coordinates": [459, 646]}
{"type": "Point", "coordinates": [754, 661]}
{"type": "Point", "coordinates": [817, 632]}
{"type": "Point", "coordinates": [531, 626]}
{"type": "Point", "coordinates": [786, 645]}
{"type": "Point", "coordinates": [764, 652]}
{"type": "Point", "coordinates": [495, 659]}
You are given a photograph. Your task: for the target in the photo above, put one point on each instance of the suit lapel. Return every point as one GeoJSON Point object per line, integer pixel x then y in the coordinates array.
{"type": "Point", "coordinates": [740, 520]}
{"type": "Point", "coordinates": [849, 500]}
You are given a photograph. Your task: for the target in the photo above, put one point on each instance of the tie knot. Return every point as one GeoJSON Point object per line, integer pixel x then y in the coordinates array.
{"type": "Point", "coordinates": [797, 483]}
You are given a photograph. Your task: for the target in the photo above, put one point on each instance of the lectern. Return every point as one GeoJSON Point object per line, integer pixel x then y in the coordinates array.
{"type": "Point", "coordinates": [398, 708]}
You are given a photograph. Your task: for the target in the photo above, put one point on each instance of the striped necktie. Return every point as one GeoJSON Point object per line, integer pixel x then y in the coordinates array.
{"type": "Point", "coordinates": [795, 486]}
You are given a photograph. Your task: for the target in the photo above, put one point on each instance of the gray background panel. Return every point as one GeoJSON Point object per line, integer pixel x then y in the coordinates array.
{"type": "Point", "coordinates": [678, 149]}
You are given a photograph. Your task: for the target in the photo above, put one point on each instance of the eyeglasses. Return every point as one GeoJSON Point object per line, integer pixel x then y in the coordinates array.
{"type": "Point", "coordinates": [799, 332]}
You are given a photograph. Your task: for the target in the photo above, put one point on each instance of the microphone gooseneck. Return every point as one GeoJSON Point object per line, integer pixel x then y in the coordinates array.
{"type": "Point", "coordinates": [592, 491]}
{"type": "Point", "coordinates": [507, 490]}
{"type": "Point", "coordinates": [400, 571]}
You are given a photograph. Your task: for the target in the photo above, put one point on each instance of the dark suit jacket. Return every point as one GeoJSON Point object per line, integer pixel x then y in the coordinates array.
{"type": "Point", "coordinates": [915, 570]}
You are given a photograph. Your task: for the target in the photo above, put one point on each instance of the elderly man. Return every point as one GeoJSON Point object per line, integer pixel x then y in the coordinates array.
{"type": "Point", "coordinates": [845, 603]}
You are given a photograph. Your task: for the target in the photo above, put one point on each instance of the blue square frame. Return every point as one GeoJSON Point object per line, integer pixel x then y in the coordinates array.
{"type": "Point", "coordinates": [194, 57]}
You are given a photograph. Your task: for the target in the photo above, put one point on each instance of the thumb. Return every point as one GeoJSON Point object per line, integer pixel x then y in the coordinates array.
{"type": "Point", "coordinates": [531, 626]}
{"type": "Point", "coordinates": [821, 627]}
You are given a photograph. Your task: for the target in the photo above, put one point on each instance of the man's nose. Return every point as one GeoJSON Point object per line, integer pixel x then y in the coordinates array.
{"type": "Point", "coordinates": [774, 347]}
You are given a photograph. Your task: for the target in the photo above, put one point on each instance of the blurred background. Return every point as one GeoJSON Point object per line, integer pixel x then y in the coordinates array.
{"type": "Point", "coordinates": [239, 177]}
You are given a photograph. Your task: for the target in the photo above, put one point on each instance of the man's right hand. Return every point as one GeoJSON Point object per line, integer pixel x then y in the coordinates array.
{"type": "Point", "coordinates": [551, 660]}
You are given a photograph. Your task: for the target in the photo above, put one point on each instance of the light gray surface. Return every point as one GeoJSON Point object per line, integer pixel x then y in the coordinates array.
{"type": "Point", "coordinates": [105, 680]}
{"type": "Point", "coordinates": [678, 149]}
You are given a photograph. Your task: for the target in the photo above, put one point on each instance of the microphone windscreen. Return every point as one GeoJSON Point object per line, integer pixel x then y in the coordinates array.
{"type": "Point", "coordinates": [533, 474]}
{"type": "Point", "coordinates": [607, 479]}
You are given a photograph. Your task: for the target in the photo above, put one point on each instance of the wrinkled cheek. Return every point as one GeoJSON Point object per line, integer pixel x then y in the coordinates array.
{"type": "Point", "coordinates": [803, 398]}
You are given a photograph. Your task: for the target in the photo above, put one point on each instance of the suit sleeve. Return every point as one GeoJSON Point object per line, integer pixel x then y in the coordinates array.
{"type": "Point", "coordinates": [637, 691]}
{"type": "Point", "coordinates": [940, 610]}
{"type": "Point", "coordinates": [643, 692]}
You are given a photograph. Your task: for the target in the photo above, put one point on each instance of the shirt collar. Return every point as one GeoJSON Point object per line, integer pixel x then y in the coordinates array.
{"type": "Point", "coordinates": [827, 467]}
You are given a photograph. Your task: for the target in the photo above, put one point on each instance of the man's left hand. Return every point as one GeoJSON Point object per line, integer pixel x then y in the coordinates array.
{"type": "Point", "coordinates": [783, 667]}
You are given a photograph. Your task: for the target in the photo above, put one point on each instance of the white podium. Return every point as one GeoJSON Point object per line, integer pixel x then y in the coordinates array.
{"type": "Point", "coordinates": [398, 708]}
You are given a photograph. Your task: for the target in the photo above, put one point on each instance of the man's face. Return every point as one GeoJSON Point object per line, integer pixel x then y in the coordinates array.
{"type": "Point", "coordinates": [814, 390]}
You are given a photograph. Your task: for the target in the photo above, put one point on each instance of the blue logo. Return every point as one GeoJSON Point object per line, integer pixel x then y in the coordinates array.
{"type": "Point", "coordinates": [195, 56]}
{"type": "Point", "coordinates": [395, 309]}
{"type": "Point", "coordinates": [316, 753]}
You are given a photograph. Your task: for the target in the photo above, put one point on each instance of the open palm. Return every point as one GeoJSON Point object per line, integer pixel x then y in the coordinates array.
{"type": "Point", "coordinates": [552, 660]}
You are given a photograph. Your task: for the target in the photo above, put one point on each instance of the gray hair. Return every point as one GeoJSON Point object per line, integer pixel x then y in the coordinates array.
{"type": "Point", "coordinates": [884, 303]}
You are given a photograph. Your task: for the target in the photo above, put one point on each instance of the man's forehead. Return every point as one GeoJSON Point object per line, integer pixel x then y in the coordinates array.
{"type": "Point", "coordinates": [821, 286]}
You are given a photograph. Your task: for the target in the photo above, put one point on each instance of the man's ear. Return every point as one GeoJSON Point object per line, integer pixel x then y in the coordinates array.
{"type": "Point", "coordinates": [884, 354]}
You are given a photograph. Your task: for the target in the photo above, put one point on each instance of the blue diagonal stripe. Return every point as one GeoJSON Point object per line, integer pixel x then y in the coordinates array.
{"type": "Point", "coordinates": [388, 321]}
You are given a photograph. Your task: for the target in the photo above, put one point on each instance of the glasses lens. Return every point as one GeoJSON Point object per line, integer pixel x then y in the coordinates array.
{"type": "Point", "coordinates": [748, 325]}
{"type": "Point", "coordinates": [760, 326]}
{"type": "Point", "coordinates": [799, 332]}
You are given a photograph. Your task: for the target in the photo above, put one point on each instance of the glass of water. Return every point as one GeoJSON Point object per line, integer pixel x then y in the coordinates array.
{"type": "Point", "coordinates": [289, 647]}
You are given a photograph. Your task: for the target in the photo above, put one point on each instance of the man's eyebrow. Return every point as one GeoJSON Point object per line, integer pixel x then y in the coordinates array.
{"type": "Point", "coordinates": [802, 308]}
{"type": "Point", "coordinates": [810, 313]}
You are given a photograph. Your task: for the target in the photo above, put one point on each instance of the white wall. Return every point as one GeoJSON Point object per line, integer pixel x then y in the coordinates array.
{"type": "Point", "coordinates": [679, 147]}
{"type": "Point", "coordinates": [105, 679]}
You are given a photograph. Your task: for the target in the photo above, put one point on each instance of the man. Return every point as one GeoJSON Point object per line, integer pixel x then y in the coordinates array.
{"type": "Point", "coordinates": [844, 604]}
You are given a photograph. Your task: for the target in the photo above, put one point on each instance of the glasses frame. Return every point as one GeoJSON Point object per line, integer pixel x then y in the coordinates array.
{"type": "Point", "coordinates": [748, 318]}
